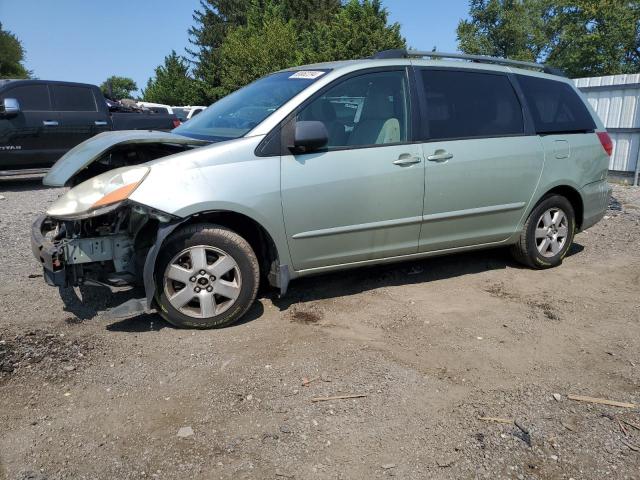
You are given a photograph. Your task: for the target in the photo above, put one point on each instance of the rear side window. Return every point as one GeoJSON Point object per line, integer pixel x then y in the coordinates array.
{"type": "Point", "coordinates": [555, 106]}
{"type": "Point", "coordinates": [32, 98]}
{"type": "Point", "coordinates": [470, 104]}
{"type": "Point", "coordinates": [73, 99]}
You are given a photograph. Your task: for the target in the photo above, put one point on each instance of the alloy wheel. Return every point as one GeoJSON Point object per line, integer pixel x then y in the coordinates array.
{"type": "Point", "coordinates": [202, 281]}
{"type": "Point", "coordinates": [552, 230]}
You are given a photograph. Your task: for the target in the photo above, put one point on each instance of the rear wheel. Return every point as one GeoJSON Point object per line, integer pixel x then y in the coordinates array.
{"type": "Point", "coordinates": [547, 234]}
{"type": "Point", "coordinates": [207, 276]}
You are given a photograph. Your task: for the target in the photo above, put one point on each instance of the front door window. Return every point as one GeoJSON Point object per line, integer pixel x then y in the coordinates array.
{"type": "Point", "coordinates": [370, 109]}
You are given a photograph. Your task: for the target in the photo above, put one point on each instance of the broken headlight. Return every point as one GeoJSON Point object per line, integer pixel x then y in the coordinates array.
{"type": "Point", "coordinates": [98, 194]}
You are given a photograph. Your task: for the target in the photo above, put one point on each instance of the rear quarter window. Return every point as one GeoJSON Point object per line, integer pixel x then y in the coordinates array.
{"type": "Point", "coordinates": [555, 106]}
{"type": "Point", "coordinates": [67, 98]}
{"type": "Point", "coordinates": [32, 98]}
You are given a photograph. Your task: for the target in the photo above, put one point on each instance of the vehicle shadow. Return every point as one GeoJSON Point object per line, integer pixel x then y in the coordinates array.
{"type": "Point", "coordinates": [88, 301]}
{"type": "Point", "coordinates": [356, 281]}
{"type": "Point", "coordinates": [94, 300]}
{"type": "Point", "coordinates": [154, 322]}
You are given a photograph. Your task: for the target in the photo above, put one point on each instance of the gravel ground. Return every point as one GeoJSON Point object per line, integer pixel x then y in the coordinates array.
{"type": "Point", "coordinates": [432, 346]}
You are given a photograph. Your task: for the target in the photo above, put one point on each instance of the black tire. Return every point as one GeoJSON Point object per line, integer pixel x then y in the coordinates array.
{"type": "Point", "coordinates": [526, 250]}
{"type": "Point", "coordinates": [218, 237]}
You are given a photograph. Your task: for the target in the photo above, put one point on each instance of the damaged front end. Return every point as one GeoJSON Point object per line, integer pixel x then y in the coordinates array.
{"type": "Point", "coordinates": [94, 234]}
{"type": "Point", "coordinates": [108, 249]}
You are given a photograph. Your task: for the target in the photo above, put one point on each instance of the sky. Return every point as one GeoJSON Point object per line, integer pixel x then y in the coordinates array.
{"type": "Point", "coordinates": [88, 40]}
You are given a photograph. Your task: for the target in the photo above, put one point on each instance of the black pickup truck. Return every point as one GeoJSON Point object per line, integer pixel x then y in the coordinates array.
{"type": "Point", "coordinates": [41, 120]}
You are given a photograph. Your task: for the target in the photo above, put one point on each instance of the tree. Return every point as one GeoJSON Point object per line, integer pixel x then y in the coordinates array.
{"type": "Point", "coordinates": [275, 37]}
{"type": "Point", "coordinates": [212, 23]}
{"type": "Point", "coordinates": [505, 28]}
{"type": "Point", "coordinates": [11, 56]}
{"type": "Point", "coordinates": [308, 12]}
{"type": "Point", "coordinates": [118, 87]}
{"type": "Point", "coordinates": [359, 29]}
{"type": "Point", "coordinates": [596, 37]}
{"type": "Point", "coordinates": [237, 40]}
{"type": "Point", "coordinates": [173, 84]}
{"type": "Point", "coordinates": [582, 37]}
{"type": "Point", "coordinates": [254, 50]}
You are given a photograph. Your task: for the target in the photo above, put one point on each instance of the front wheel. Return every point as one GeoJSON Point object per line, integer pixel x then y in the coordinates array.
{"type": "Point", "coordinates": [547, 234]}
{"type": "Point", "coordinates": [207, 276]}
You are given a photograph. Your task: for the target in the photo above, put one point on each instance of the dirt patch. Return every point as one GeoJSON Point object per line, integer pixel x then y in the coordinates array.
{"type": "Point", "coordinates": [547, 309]}
{"type": "Point", "coordinates": [308, 316]}
{"type": "Point", "coordinates": [48, 355]}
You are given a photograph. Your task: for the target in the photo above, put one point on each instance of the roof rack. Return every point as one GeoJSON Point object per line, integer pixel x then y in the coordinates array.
{"type": "Point", "coordinates": [402, 53]}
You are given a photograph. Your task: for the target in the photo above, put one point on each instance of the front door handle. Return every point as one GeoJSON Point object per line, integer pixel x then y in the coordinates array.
{"type": "Point", "coordinates": [406, 159]}
{"type": "Point", "coordinates": [100, 123]}
{"type": "Point", "coordinates": [440, 156]}
{"type": "Point", "coordinates": [50, 123]}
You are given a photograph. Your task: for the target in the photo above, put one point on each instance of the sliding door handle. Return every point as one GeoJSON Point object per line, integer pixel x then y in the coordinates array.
{"type": "Point", "coordinates": [406, 159]}
{"type": "Point", "coordinates": [440, 156]}
{"type": "Point", "coordinates": [50, 123]}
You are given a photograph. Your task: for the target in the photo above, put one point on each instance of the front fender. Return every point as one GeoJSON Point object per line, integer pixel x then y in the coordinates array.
{"type": "Point", "coordinates": [200, 182]}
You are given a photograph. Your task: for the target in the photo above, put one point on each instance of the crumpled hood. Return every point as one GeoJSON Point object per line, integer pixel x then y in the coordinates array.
{"type": "Point", "coordinates": [82, 155]}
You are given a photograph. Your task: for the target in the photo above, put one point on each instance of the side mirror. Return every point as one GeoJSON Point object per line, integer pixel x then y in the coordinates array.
{"type": "Point", "coordinates": [310, 136]}
{"type": "Point", "coordinates": [9, 106]}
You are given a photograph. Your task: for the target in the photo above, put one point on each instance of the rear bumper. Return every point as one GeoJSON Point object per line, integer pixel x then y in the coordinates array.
{"type": "Point", "coordinates": [49, 254]}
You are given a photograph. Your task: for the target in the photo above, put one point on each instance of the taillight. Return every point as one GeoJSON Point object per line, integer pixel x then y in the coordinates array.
{"type": "Point", "coordinates": [176, 123]}
{"type": "Point", "coordinates": [606, 142]}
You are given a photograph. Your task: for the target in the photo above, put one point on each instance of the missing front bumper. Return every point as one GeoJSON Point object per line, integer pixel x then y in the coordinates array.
{"type": "Point", "coordinates": [63, 260]}
{"type": "Point", "coordinates": [47, 253]}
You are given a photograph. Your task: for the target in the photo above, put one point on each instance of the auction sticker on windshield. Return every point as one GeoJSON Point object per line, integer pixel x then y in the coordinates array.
{"type": "Point", "coordinates": [308, 74]}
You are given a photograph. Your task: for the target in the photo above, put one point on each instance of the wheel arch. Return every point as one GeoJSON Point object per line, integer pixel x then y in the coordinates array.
{"type": "Point", "coordinates": [258, 236]}
{"type": "Point", "coordinates": [574, 198]}
{"type": "Point", "coordinates": [273, 262]}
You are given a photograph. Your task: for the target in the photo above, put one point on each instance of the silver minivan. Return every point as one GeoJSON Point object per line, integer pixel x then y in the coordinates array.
{"type": "Point", "coordinates": [324, 167]}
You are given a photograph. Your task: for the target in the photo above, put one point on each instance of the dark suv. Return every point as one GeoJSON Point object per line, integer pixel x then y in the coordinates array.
{"type": "Point", "coordinates": [41, 120]}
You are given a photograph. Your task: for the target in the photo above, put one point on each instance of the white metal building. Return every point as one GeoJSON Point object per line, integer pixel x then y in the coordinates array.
{"type": "Point", "coordinates": [616, 99]}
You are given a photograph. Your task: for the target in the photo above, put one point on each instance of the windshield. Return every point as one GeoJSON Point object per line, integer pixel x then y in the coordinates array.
{"type": "Point", "coordinates": [236, 114]}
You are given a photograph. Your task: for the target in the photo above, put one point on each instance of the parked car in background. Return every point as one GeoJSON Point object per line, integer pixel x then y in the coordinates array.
{"type": "Point", "coordinates": [40, 120]}
{"type": "Point", "coordinates": [327, 167]}
{"type": "Point", "coordinates": [183, 113]}
{"type": "Point", "coordinates": [187, 112]}
{"type": "Point", "coordinates": [157, 107]}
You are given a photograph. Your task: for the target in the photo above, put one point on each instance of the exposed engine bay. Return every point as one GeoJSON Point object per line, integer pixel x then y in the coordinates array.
{"type": "Point", "coordinates": [126, 155]}
{"type": "Point", "coordinates": [111, 150]}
